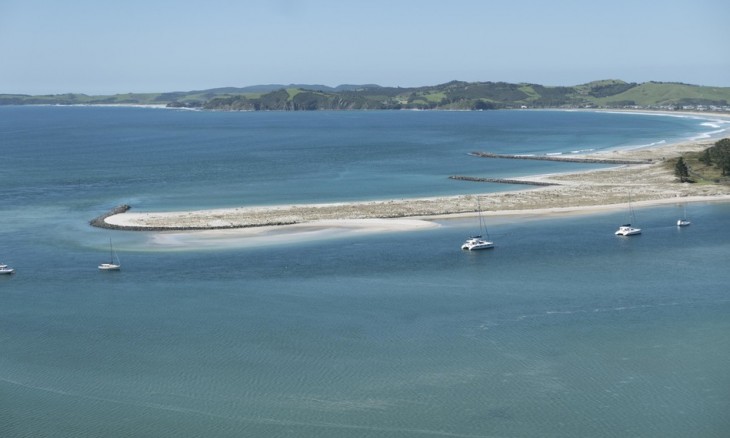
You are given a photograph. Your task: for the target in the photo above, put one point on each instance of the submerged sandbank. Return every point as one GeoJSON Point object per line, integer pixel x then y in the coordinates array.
{"type": "Point", "coordinates": [586, 191]}
{"type": "Point", "coordinates": [286, 234]}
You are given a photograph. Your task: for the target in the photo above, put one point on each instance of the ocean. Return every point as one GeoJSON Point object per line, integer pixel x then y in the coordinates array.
{"type": "Point", "coordinates": [562, 330]}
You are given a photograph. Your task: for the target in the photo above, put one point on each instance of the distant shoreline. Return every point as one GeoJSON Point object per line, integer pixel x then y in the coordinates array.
{"type": "Point", "coordinates": [647, 111]}
{"type": "Point", "coordinates": [453, 95]}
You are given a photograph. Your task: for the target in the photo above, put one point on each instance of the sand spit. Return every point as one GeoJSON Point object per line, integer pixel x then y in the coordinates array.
{"type": "Point", "coordinates": [573, 192]}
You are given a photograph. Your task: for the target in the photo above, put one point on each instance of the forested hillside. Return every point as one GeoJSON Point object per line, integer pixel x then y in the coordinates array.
{"type": "Point", "coordinates": [456, 95]}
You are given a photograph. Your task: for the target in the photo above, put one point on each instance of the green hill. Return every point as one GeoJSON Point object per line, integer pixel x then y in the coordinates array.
{"type": "Point", "coordinates": [657, 93]}
{"type": "Point", "coordinates": [452, 95]}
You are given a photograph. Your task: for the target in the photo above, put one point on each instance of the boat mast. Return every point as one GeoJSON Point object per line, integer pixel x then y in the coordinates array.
{"type": "Point", "coordinates": [632, 217]}
{"type": "Point", "coordinates": [482, 225]}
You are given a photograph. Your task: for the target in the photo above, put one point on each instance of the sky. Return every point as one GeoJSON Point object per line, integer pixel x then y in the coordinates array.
{"type": "Point", "coordinates": [112, 47]}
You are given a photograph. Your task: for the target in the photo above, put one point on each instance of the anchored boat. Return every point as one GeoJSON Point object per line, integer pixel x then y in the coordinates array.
{"type": "Point", "coordinates": [627, 229]}
{"type": "Point", "coordinates": [114, 264]}
{"type": "Point", "coordinates": [477, 242]}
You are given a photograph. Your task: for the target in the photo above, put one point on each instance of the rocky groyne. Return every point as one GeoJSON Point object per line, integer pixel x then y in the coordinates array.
{"type": "Point", "coordinates": [99, 220]}
{"type": "Point", "coordinates": [560, 158]}
{"type": "Point", "coordinates": [503, 181]}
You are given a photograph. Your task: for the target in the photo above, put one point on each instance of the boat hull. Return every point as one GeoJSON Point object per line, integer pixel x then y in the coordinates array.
{"type": "Point", "coordinates": [628, 232]}
{"type": "Point", "coordinates": [477, 245]}
{"type": "Point", "coordinates": [109, 267]}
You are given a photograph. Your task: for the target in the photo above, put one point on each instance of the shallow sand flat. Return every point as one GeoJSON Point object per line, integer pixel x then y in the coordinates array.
{"type": "Point", "coordinates": [595, 190]}
{"type": "Point", "coordinates": [277, 234]}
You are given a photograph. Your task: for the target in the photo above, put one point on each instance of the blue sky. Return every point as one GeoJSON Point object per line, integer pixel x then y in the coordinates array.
{"type": "Point", "coordinates": [109, 46]}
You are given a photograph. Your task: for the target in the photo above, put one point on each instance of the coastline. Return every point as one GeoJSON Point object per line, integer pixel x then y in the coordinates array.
{"type": "Point", "coordinates": [571, 193]}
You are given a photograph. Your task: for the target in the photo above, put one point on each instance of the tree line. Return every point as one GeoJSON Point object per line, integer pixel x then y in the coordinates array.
{"type": "Point", "coordinates": [718, 155]}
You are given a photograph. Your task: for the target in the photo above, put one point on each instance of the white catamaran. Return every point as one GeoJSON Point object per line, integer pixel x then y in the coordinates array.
{"type": "Point", "coordinates": [627, 229]}
{"type": "Point", "coordinates": [478, 242]}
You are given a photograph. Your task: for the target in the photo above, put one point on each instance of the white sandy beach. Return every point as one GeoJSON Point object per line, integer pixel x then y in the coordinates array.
{"type": "Point", "coordinates": [581, 192]}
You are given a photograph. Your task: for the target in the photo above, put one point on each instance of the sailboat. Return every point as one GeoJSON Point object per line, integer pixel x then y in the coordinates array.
{"type": "Point", "coordinates": [111, 266]}
{"type": "Point", "coordinates": [683, 221]}
{"type": "Point", "coordinates": [627, 229]}
{"type": "Point", "coordinates": [478, 242]}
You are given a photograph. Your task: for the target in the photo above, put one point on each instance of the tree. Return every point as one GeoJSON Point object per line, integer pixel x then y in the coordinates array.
{"type": "Point", "coordinates": [681, 170]}
{"type": "Point", "coordinates": [705, 157]}
{"type": "Point", "coordinates": [482, 105]}
{"type": "Point", "coordinates": [720, 155]}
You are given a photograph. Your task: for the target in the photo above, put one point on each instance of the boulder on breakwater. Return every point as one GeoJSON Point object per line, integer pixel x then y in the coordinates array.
{"type": "Point", "coordinates": [560, 158]}
{"type": "Point", "coordinates": [99, 221]}
{"type": "Point", "coordinates": [503, 180]}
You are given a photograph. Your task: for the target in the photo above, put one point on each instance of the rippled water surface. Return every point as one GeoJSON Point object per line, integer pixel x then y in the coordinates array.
{"type": "Point", "coordinates": [562, 330]}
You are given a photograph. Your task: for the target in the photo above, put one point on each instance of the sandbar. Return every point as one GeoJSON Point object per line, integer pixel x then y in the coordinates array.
{"type": "Point", "coordinates": [589, 191]}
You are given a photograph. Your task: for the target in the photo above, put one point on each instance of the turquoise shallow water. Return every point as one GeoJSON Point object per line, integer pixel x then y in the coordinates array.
{"type": "Point", "coordinates": [562, 330]}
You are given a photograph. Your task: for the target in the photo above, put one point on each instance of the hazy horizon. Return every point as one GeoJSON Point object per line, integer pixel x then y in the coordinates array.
{"type": "Point", "coordinates": [315, 84]}
{"type": "Point", "coordinates": [98, 48]}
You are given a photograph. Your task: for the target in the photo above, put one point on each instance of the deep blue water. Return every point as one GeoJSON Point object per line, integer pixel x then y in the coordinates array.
{"type": "Point", "coordinates": [562, 330]}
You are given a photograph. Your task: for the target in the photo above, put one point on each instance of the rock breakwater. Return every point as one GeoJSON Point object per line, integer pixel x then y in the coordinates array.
{"type": "Point", "coordinates": [503, 181]}
{"type": "Point", "coordinates": [561, 158]}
